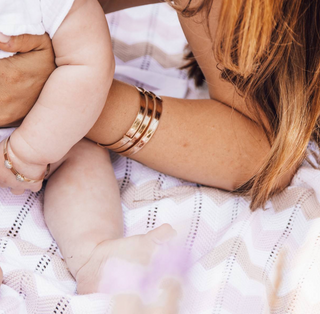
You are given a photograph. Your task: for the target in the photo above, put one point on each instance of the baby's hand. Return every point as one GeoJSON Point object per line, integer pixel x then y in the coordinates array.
{"type": "Point", "coordinates": [16, 183]}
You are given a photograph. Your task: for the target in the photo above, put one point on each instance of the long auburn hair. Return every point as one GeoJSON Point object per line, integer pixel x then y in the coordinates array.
{"type": "Point", "coordinates": [270, 51]}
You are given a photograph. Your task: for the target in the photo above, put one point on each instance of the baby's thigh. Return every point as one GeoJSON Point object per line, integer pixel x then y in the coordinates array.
{"type": "Point", "coordinates": [83, 157]}
{"type": "Point", "coordinates": [87, 151]}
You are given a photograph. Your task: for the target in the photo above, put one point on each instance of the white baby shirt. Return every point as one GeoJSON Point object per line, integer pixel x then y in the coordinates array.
{"type": "Point", "coordinates": [34, 17]}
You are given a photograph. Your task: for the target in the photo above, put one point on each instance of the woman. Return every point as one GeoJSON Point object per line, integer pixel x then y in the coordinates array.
{"type": "Point", "coordinates": [248, 68]}
{"type": "Point", "coordinates": [244, 152]}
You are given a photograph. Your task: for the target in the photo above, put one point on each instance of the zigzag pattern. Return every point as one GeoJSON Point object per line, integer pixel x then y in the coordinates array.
{"type": "Point", "coordinates": [127, 52]}
{"type": "Point", "coordinates": [235, 254]}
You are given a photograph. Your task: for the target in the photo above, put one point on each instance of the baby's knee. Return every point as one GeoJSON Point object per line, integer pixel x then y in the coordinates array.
{"type": "Point", "coordinates": [88, 150]}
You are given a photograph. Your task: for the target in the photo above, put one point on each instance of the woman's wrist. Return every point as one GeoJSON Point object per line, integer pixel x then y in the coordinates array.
{"type": "Point", "coordinates": [143, 127]}
{"type": "Point", "coordinates": [117, 116]}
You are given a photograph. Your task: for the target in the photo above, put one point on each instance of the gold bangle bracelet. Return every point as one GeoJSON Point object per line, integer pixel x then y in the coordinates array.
{"type": "Point", "coordinates": [19, 176]}
{"type": "Point", "coordinates": [145, 124]}
{"type": "Point", "coordinates": [141, 130]}
{"type": "Point", "coordinates": [134, 127]}
{"type": "Point", "coordinates": [149, 132]}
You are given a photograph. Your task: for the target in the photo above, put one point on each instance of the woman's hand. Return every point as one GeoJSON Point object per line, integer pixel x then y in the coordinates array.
{"type": "Point", "coordinates": [23, 75]}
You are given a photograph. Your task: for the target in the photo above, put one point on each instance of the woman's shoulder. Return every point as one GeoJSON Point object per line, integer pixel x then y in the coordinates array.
{"type": "Point", "coordinates": [200, 33]}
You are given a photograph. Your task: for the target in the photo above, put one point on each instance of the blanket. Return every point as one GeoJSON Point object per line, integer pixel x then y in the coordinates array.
{"type": "Point", "coordinates": [266, 261]}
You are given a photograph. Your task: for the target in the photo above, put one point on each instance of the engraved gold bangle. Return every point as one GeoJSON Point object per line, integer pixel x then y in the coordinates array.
{"type": "Point", "coordinates": [157, 111]}
{"type": "Point", "coordinates": [134, 127]}
{"type": "Point", "coordinates": [19, 176]}
{"type": "Point", "coordinates": [144, 126]}
{"type": "Point", "coordinates": [141, 130]}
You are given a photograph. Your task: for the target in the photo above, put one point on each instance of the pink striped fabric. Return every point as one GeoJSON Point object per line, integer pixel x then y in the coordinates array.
{"type": "Point", "coordinates": [239, 261]}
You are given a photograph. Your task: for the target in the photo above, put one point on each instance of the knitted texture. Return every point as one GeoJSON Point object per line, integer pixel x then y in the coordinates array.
{"type": "Point", "coordinates": [241, 261]}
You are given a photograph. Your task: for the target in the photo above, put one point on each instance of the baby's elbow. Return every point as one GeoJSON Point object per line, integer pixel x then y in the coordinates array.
{"type": "Point", "coordinates": [105, 73]}
{"type": "Point", "coordinates": [110, 70]}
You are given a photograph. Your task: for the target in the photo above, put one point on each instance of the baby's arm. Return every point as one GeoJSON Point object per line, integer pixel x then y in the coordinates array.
{"type": "Point", "coordinates": [75, 93]}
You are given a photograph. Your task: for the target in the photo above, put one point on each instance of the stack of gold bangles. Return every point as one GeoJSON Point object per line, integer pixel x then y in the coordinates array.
{"type": "Point", "coordinates": [143, 127]}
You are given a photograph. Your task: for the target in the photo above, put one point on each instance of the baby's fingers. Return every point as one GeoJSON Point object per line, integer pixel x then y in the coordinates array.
{"type": "Point", "coordinates": [36, 187]}
{"type": "Point", "coordinates": [3, 186]}
{"type": "Point", "coordinates": [17, 191]}
{"type": "Point", "coordinates": [33, 187]}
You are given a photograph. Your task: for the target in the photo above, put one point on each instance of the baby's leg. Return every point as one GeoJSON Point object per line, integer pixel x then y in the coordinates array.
{"type": "Point", "coordinates": [83, 212]}
{"type": "Point", "coordinates": [82, 203]}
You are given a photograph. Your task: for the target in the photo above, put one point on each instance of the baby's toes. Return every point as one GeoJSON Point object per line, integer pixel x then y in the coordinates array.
{"type": "Point", "coordinates": [150, 243]}
{"type": "Point", "coordinates": [162, 234]}
{"type": "Point", "coordinates": [142, 248]}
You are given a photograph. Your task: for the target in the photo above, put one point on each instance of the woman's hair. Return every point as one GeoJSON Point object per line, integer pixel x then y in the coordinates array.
{"type": "Point", "coordinates": [270, 51]}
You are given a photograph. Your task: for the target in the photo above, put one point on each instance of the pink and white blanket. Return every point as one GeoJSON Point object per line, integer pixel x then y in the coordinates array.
{"type": "Point", "coordinates": [241, 261]}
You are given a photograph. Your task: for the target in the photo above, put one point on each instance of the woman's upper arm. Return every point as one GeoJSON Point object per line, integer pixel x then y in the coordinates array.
{"type": "Point", "coordinates": [201, 41]}
{"type": "Point", "coordinates": [112, 5]}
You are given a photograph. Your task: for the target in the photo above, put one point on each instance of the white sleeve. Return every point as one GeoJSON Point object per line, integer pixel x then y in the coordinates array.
{"type": "Point", "coordinates": [20, 17]}
{"type": "Point", "coordinates": [53, 14]}
{"type": "Point", "coordinates": [33, 17]}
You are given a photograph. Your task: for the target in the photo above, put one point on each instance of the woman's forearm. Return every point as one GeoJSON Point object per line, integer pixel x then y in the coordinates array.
{"type": "Point", "coordinates": [203, 141]}
{"type": "Point", "coordinates": [112, 5]}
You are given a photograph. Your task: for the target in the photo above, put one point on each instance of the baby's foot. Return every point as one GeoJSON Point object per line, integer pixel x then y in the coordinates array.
{"type": "Point", "coordinates": [137, 249]}
{"type": "Point", "coordinates": [1, 276]}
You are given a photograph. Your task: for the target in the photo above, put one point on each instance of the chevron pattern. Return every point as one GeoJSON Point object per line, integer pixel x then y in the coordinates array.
{"type": "Point", "coordinates": [241, 262]}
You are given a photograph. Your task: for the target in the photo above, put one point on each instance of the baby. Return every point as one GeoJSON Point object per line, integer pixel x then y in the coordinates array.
{"type": "Point", "coordinates": [82, 205]}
